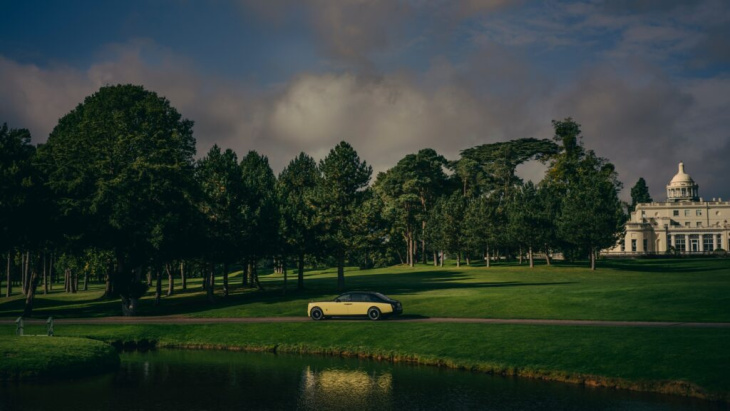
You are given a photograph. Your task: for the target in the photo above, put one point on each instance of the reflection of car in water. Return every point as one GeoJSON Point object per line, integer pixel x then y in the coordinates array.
{"type": "Point", "coordinates": [331, 389]}
{"type": "Point", "coordinates": [356, 303]}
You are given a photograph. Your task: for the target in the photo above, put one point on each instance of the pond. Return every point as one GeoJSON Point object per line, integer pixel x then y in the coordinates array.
{"type": "Point", "coordinates": [214, 380]}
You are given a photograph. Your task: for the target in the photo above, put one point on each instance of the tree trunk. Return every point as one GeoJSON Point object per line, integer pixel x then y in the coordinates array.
{"type": "Point", "coordinates": [26, 272]}
{"type": "Point", "coordinates": [51, 272]}
{"type": "Point", "coordinates": [251, 274]}
{"type": "Point", "coordinates": [458, 259]}
{"type": "Point", "coordinates": [67, 280]}
{"type": "Point", "coordinates": [109, 280]}
{"type": "Point", "coordinates": [255, 277]}
{"type": "Point", "coordinates": [129, 306]}
{"type": "Point", "coordinates": [74, 281]}
{"type": "Point", "coordinates": [593, 260]}
{"type": "Point", "coordinates": [225, 280]}
{"type": "Point", "coordinates": [211, 282]}
{"type": "Point", "coordinates": [244, 274]}
{"type": "Point", "coordinates": [158, 285]}
{"type": "Point", "coordinates": [435, 259]}
{"type": "Point", "coordinates": [300, 272]}
{"type": "Point", "coordinates": [547, 255]}
{"type": "Point", "coordinates": [30, 296]}
{"type": "Point", "coordinates": [341, 271]}
{"type": "Point", "coordinates": [204, 273]}
{"type": "Point", "coordinates": [408, 251]}
{"type": "Point", "coordinates": [423, 241]}
{"type": "Point", "coordinates": [170, 279]}
{"type": "Point", "coordinates": [8, 274]}
{"type": "Point", "coordinates": [441, 262]}
{"type": "Point", "coordinates": [529, 255]}
{"type": "Point", "coordinates": [283, 268]}
{"type": "Point", "coordinates": [86, 280]}
{"type": "Point", "coordinates": [183, 277]}
{"type": "Point", "coordinates": [520, 251]}
{"type": "Point", "coordinates": [46, 273]}
{"type": "Point", "coordinates": [488, 259]}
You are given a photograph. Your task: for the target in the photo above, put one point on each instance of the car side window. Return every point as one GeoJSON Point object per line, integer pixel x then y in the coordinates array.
{"type": "Point", "coordinates": [346, 297]}
{"type": "Point", "coordinates": [357, 298]}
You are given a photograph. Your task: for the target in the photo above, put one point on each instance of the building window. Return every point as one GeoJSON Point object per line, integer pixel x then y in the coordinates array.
{"type": "Point", "coordinates": [686, 223]}
{"type": "Point", "coordinates": [718, 243]}
{"type": "Point", "coordinates": [623, 245]}
{"type": "Point", "coordinates": [699, 212]}
{"type": "Point", "coordinates": [686, 213]}
{"type": "Point", "coordinates": [699, 224]}
{"type": "Point", "coordinates": [675, 213]}
{"type": "Point", "coordinates": [679, 242]}
{"type": "Point", "coordinates": [645, 244]}
{"type": "Point", "coordinates": [633, 245]}
{"type": "Point", "coordinates": [707, 242]}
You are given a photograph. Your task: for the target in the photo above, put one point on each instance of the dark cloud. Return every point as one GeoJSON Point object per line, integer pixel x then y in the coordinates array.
{"type": "Point", "coordinates": [507, 81]}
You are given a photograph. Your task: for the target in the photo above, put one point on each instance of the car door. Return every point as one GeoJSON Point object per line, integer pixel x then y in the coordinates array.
{"type": "Point", "coordinates": [360, 304]}
{"type": "Point", "coordinates": [343, 305]}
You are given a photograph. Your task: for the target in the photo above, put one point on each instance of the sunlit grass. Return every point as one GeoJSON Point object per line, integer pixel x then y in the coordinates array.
{"type": "Point", "coordinates": [635, 358]}
{"type": "Point", "coordinates": [637, 290]}
{"type": "Point", "coordinates": [44, 357]}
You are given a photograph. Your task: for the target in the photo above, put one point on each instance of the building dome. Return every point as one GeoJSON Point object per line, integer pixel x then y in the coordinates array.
{"type": "Point", "coordinates": [682, 187]}
{"type": "Point", "coordinates": [681, 177]}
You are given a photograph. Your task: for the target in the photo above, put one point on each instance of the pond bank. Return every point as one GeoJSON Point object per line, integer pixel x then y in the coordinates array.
{"type": "Point", "coordinates": [688, 362]}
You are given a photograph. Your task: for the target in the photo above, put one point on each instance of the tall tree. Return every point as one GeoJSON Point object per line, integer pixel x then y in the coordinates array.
{"type": "Point", "coordinates": [591, 215]}
{"type": "Point", "coordinates": [453, 210]}
{"type": "Point", "coordinates": [261, 212]}
{"type": "Point", "coordinates": [114, 164]}
{"type": "Point", "coordinates": [297, 183]}
{"type": "Point", "coordinates": [16, 179]}
{"type": "Point", "coordinates": [223, 201]}
{"type": "Point", "coordinates": [639, 194]}
{"type": "Point", "coordinates": [411, 187]}
{"type": "Point", "coordinates": [526, 218]}
{"type": "Point", "coordinates": [337, 198]}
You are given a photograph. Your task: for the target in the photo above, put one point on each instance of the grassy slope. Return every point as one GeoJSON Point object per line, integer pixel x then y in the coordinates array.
{"type": "Point", "coordinates": [43, 357]}
{"type": "Point", "coordinates": [651, 290]}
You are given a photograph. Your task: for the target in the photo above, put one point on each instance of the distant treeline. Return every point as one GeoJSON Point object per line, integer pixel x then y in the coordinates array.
{"type": "Point", "coordinates": [116, 191]}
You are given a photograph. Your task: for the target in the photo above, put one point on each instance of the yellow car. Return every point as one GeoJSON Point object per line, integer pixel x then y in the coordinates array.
{"type": "Point", "coordinates": [356, 303]}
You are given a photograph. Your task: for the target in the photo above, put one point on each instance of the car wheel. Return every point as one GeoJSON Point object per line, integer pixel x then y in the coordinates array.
{"type": "Point", "coordinates": [374, 313]}
{"type": "Point", "coordinates": [316, 314]}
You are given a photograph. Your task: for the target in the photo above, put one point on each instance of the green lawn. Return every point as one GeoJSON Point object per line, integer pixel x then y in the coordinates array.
{"type": "Point", "coordinates": [662, 359]}
{"type": "Point", "coordinates": [53, 357]}
{"type": "Point", "coordinates": [633, 290]}
{"type": "Point", "coordinates": [687, 361]}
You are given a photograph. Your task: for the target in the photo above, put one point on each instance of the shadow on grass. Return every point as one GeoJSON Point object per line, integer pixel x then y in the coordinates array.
{"type": "Point", "coordinates": [194, 300]}
{"type": "Point", "coordinates": [674, 265]}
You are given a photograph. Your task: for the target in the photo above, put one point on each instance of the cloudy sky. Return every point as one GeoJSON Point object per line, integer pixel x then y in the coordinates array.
{"type": "Point", "coordinates": [649, 80]}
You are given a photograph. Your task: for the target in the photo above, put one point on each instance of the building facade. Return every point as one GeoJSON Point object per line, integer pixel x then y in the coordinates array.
{"type": "Point", "coordinates": [685, 223]}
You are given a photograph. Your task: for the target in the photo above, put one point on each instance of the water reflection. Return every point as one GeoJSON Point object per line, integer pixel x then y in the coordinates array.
{"type": "Point", "coordinates": [208, 380]}
{"type": "Point", "coordinates": [340, 388]}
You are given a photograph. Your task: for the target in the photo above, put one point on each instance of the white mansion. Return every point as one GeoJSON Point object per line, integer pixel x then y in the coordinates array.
{"type": "Point", "coordinates": [685, 223]}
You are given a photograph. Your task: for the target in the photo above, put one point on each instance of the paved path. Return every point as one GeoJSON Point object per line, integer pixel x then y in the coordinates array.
{"type": "Point", "coordinates": [229, 320]}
